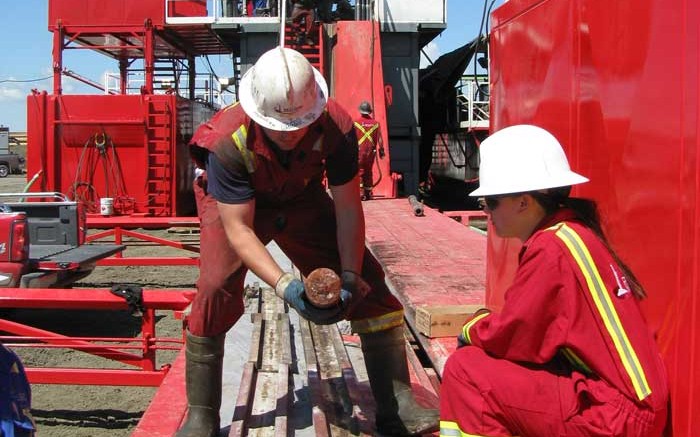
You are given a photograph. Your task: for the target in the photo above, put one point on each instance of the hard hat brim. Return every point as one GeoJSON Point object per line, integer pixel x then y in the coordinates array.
{"type": "Point", "coordinates": [249, 106]}
{"type": "Point", "coordinates": [563, 180]}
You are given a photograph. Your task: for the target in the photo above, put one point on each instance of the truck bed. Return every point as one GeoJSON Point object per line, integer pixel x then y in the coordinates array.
{"type": "Point", "coordinates": [65, 256]}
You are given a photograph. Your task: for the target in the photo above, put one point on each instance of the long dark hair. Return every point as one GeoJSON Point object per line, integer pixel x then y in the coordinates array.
{"type": "Point", "coordinates": [586, 212]}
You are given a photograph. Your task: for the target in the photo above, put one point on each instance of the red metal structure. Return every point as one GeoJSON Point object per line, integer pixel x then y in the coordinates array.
{"type": "Point", "coordinates": [358, 49]}
{"type": "Point", "coordinates": [617, 83]}
{"type": "Point", "coordinates": [131, 147]}
{"type": "Point", "coordinates": [139, 353]}
{"type": "Point", "coordinates": [119, 227]}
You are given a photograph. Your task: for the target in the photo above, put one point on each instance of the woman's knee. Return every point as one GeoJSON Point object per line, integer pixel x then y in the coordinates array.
{"type": "Point", "coordinates": [465, 361]}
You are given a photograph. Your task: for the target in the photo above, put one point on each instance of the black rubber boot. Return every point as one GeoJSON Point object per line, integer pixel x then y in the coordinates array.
{"type": "Point", "coordinates": [398, 413]}
{"type": "Point", "coordinates": [205, 356]}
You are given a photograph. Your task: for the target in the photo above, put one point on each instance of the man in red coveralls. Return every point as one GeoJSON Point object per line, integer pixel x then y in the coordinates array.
{"type": "Point", "coordinates": [570, 353]}
{"type": "Point", "coordinates": [303, 19]}
{"type": "Point", "coordinates": [369, 141]}
{"type": "Point", "coordinates": [265, 160]}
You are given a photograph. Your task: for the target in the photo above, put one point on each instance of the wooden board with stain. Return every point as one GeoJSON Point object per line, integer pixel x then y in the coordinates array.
{"type": "Point", "coordinates": [429, 261]}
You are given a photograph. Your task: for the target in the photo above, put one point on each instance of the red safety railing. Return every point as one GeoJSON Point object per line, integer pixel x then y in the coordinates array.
{"type": "Point", "coordinates": [138, 352]}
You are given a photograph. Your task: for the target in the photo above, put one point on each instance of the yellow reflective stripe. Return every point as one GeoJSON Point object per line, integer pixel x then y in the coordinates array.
{"type": "Point", "coordinates": [576, 361]}
{"type": "Point", "coordinates": [451, 429]}
{"type": "Point", "coordinates": [239, 139]}
{"type": "Point", "coordinates": [376, 324]}
{"type": "Point", "coordinates": [468, 326]}
{"type": "Point", "coordinates": [366, 134]}
{"type": "Point", "coordinates": [231, 106]}
{"type": "Point", "coordinates": [605, 307]}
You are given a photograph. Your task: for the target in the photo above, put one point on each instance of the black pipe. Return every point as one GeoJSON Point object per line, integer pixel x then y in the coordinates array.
{"type": "Point", "coordinates": [416, 205]}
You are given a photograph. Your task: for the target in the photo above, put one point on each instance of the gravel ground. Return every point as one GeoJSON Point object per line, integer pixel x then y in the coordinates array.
{"type": "Point", "coordinates": [98, 411]}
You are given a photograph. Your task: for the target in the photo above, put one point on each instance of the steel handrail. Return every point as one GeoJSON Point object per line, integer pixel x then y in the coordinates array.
{"type": "Point", "coordinates": [52, 194]}
{"type": "Point", "coordinates": [477, 110]}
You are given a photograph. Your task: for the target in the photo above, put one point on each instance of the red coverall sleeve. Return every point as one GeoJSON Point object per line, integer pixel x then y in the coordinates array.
{"type": "Point", "coordinates": [535, 319]}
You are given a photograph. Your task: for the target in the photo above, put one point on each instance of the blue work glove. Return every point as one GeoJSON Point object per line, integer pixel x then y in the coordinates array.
{"type": "Point", "coordinates": [462, 338]}
{"type": "Point", "coordinates": [353, 290]}
{"type": "Point", "coordinates": [292, 290]}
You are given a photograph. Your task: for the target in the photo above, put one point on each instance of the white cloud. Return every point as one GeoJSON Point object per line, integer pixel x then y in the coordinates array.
{"type": "Point", "coordinates": [68, 85]}
{"type": "Point", "coordinates": [432, 51]}
{"type": "Point", "coordinates": [12, 93]}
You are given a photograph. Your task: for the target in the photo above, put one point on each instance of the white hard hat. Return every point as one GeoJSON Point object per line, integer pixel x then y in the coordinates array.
{"type": "Point", "coordinates": [523, 158]}
{"type": "Point", "coordinates": [283, 91]}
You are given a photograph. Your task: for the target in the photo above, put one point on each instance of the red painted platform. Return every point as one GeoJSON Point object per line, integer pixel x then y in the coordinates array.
{"type": "Point", "coordinates": [429, 261]}
{"type": "Point", "coordinates": [169, 405]}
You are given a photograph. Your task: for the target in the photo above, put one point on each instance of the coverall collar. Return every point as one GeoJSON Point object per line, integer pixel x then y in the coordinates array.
{"type": "Point", "coordinates": [561, 215]}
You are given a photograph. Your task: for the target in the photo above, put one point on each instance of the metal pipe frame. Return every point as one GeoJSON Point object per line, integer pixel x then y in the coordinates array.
{"type": "Point", "coordinates": [99, 299]}
{"type": "Point", "coordinates": [117, 230]}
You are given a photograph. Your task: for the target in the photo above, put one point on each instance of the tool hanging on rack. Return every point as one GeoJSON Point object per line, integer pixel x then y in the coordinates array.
{"type": "Point", "coordinates": [99, 152]}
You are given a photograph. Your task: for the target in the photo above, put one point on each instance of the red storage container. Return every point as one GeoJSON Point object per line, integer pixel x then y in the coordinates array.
{"type": "Point", "coordinates": [617, 83]}
{"type": "Point", "coordinates": [132, 148]}
{"type": "Point", "coordinates": [187, 8]}
{"type": "Point", "coordinates": [129, 13]}
{"type": "Point", "coordinates": [100, 13]}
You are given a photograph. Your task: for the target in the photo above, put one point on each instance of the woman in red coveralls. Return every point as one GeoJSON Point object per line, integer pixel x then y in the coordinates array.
{"type": "Point", "coordinates": [570, 353]}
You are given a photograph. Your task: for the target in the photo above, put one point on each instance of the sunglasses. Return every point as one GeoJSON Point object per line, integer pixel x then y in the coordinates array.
{"type": "Point", "coordinates": [492, 202]}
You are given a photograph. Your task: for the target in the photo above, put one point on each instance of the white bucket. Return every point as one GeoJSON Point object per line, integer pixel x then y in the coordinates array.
{"type": "Point", "coordinates": [106, 206]}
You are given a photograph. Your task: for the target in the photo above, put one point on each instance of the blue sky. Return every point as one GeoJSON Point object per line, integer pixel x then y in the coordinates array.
{"type": "Point", "coordinates": [25, 47]}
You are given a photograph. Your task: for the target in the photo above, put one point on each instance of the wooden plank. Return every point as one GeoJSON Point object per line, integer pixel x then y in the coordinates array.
{"type": "Point", "coordinates": [359, 395]}
{"type": "Point", "coordinates": [443, 320]}
{"type": "Point", "coordinates": [286, 340]}
{"type": "Point", "coordinates": [325, 352]}
{"type": "Point", "coordinates": [428, 261]}
{"type": "Point", "coordinates": [313, 380]}
{"type": "Point", "coordinates": [270, 352]}
{"type": "Point", "coordinates": [270, 304]}
{"type": "Point", "coordinates": [423, 386]}
{"type": "Point", "coordinates": [263, 402]}
{"type": "Point", "coordinates": [255, 354]}
{"type": "Point", "coordinates": [284, 400]}
{"type": "Point", "coordinates": [420, 382]}
{"type": "Point", "coordinates": [262, 415]}
{"type": "Point", "coordinates": [244, 401]}
{"type": "Point", "coordinates": [339, 407]}
{"type": "Point", "coordinates": [434, 380]}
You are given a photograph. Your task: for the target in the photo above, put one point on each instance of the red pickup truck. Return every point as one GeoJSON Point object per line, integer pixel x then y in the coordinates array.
{"type": "Point", "coordinates": [41, 243]}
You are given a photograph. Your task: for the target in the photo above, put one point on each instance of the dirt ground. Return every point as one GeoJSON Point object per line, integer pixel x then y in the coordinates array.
{"type": "Point", "coordinates": [99, 411]}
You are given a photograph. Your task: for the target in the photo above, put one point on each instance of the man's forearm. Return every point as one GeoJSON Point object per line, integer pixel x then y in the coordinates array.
{"type": "Point", "coordinates": [351, 240]}
{"type": "Point", "coordinates": [255, 255]}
